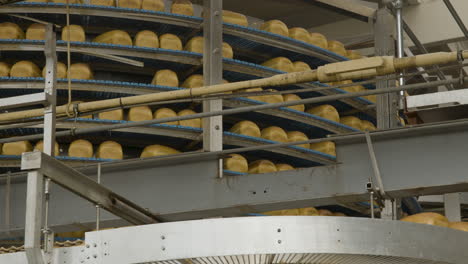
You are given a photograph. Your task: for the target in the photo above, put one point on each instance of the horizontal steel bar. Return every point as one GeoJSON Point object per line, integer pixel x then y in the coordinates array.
{"type": "Point", "coordinates": [23, 100]}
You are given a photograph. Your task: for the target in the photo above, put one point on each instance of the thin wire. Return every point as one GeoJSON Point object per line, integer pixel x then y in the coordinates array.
{"type": "Point", "coordinates": [68, 63]}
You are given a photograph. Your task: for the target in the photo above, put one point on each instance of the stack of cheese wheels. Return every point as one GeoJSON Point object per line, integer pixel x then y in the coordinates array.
{"type": "Point", "coordinates": [351, 121]}
{"type": "Point", "coordinates": [81, 71]}
{"type": "Point", "coordinates": [283, 167]}
{"type": "Point", "coordinates": [158, 150]}
{"type": "Point", "coordinates": [109, 150]}
{"type": "Point", "coordinates": [310, 211]}
{"type": "Point", "coordinates": [247, 128]}
{"type": "Point", "coordinates": [294, 97]}
{"type": "Point", "coordinates": [136, 4]}
{"type": "Point", "coordinates": [463, 226]}
{"type": "Point", "coordinates": [10, 30]}
{"type": "Point", "coordinates": [236, 162]}
{"type": "Point", "coordinates": [182, 7]}
{"type": "Point", "coordinates": [295, 136]}
{"type": "Point", "coordinates": [319, 40]}
{"type": "Point", "coordinates": [116, 37]}
{"type": "Point", "coordinates": [80, 148]}
{"type": "Point", "coordinates": [337, 47]}
{"type": "Point", "coordinates": [367, 126]}
{"type": "Point", "coordinates": [193, 81]}
{"type": "Point", "coordinates": [427, 218]}
{"type": "Point", "coordinates": [195, 44]}
{"type": "Point", "coordinates": [300, 66]}
{"type": "Point", "coordinates": [4, 69]}
{"type": "Point", "coordinates": [76, 32]}
{"type": "Point", "coordinates": [146, 38]}
{"type": "Point", "coordinates": [112, 115]}
{"type": "Point", "coordinates": [325, 111]}
{"type": "Point", "coordinates": [61, 71]}
{"type": "Point", "coordinates": [262, 166]}
{"type": "Point", "coordinates": [153, 5]}
{"type": "Point", "coordinates": [327, 147]}
{"type": "Point", "coordinates": [140, 113]}
{"type": "Point", "coordinates": [275, 133]}
{"type": "Point", "coordinates": [280, 63]}
{"type": "Point", "coordinates": [40, 147]}
{"type": "Point", "coordinates": [275, 27]}
{"type": "Point", "coordinates": [300, 34]}
{"type": "Point", "coordinates": [102, 2]}
{"type": "Point", "coordinates": [197, 122]}
{"type": "Point", "coordinates": [235, 18]}
{"type": "Point", "coordinates": [36, 31]}
{"type": "Point", "coordinates": [165, 113]}
{"type": "Point", "coordinates": [25, 69]}
{"type": "Point", "coordinates": [170, 41]}
{"type": "Point", "coordinates": [353, 55]}
{"type": "Point", "coordinates": [324, 212]}
{"type": "Point", "coordinates": [16, 148]}
{"type": "Point", "coordinates": [165, 78]}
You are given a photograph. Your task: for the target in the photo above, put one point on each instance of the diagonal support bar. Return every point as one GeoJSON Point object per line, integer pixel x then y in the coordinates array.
{"type": "Point", "coordinates": [86, 188]}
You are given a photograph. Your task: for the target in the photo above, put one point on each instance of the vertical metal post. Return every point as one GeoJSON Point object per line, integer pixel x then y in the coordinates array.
{"type": "Point", "coordinates": [8, 203]}
{"type": "Point", "coordinates": [98, 207]}
{"type": "Point", "coordinates": [213, 73]}
{"type": "Point", "coordinates": [452, 207]}
{"type": "Point", "coordinates": [33, 223]}
{"type": "Point", "coordinates": [399, 35]}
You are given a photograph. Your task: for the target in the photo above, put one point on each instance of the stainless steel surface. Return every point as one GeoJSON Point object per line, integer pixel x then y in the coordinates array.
{"type": "Point", "coordinates": [23, 100]}
{"type": "Point", "coordinates": [452, 206]}
{"type": "Point", "coordinates": [398, 4]}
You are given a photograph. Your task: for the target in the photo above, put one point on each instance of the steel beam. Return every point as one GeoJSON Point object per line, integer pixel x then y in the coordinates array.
{"type": "Point", "coordinates": [411, 163]}
{"type": "Point", "coordinates": [23, 100]}
{"type": "Point", "coordinates": [452, 206]}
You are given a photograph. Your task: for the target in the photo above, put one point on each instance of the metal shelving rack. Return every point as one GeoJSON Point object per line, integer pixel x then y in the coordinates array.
{"type": "Point", "coordinates": [389, 158]}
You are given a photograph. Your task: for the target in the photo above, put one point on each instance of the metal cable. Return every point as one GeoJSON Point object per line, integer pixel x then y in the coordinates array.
{"type": "Point", "coordinates": [68, 62]}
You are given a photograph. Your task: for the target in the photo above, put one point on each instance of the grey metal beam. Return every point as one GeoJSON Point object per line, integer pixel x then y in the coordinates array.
{"type": "Point", "coordinates": [411, 163]}
{"type": "Point", "coordinates": [23, 100]}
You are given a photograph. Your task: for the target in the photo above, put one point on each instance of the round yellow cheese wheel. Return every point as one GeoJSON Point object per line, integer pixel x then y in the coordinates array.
{"type": "Point", "coordinates": [10, 30]}
{"type": "Point", "coordinates": [295, 136]}
{"type": "Point", "coordinates": [275, 27]}
{"type": "Point", "coordinates": [351, 121]}
{"type": "Point", "coordinates": [280, 63]}
{"type": "Point", "coordinates": [77, 33]}
{"type": "Point", "coordinates": [80, 148]}
{"type": "Point", "coordinates": [327, 147]}
{"type": "Point", "coordinates": [25, 69]}
{"type": "Point", "coordinates": [310, 211]}
{"type": "Point", "coordinates": [236, 162]}
{"type": "Point", "coordinates": [337, 47]}
{"type": "Point", "coordinates": [165, 113]}
{"type": "Point", "coordinates": [154, 5]}
{"type": "Point", "coordinates": [109, 150]}
{"type": "Point", "coordinates": [338, 214]}
{"type": "Point", "coordinates": [275, 133]}
{"type": "Point", "coordinates": [300, 66]}
{"type": "Point", "coordinates": [170, 41]}
{"type": "Point", "coordinates": [165, 78]}
{"type": "Point", "coordinates": [16, 148]}
{"type": "Point", "coordinates": [36, 31]}
{"type": "Point", "coordinates": [235, 18]}
{"type": "Point", "coordinates": [146, 38]}
{"type": "Point", "coordinates": [129, 4]}
{"type": "Point", "coordinates": [271, 99]}
{"type": "Point", "coordinates": [324, 212]}
{"type": "Point", "coordinates": [290, 212]}
{"type": "Point", "coordinates": [300, 34]}
{"type": "Point", "coordinates": [325, 111]}
{"type": "Point", "coordinates": [197, 122]}
{"type": "Point", "coordinates": [140, 113]}
{"type": "Point", "coordinates": [283, 167]}
{"type": "Point", "coordinates": [427, 218]}
{"type": "Point", "coordinates": [367, 126]}
{"type": "Point", "coordinates": [318, 40]}
{"type": "Point", "coordinates": [463, 226]}
{"type": "Point", "coordinates": [182, 7]}
{"type": "Point", "coordinates": [193, 81]}
{"type": "Point", "coordinates": [102, 2]}
{"type": "Point", "coordinates": [262, 166]}
{"type": "Point", "coordinates": [61, 70]}
{"type": "Point", "coordinates": [117, 37]}
{"type": "Point", "coordinates": [112, 115]}
{"type": "Point", "coordinates": [195, 44]}
{"type": "Point", "coordinates": [353, 55]}
{"type": "Point", "coordinates": [40, 146]}
{"type": "Point", "coordinates": [158, 150]}
{"type": "Point", "coordinates": [247, 128]}
{"type": "Point", "coordinates": [4, 69]}
{"type": "Point", "coordinates": [81, 71]}
{"type": "Point", "coordinates": [293, 97]}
